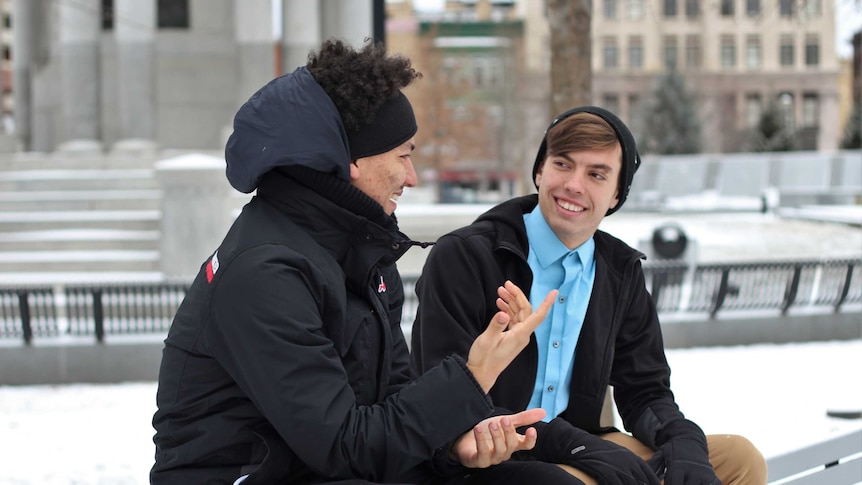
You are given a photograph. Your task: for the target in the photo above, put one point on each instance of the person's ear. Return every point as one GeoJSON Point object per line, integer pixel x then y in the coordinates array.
{"type": "Point", "coordinates": [354, 170]}
{"type": "Point", "coordinates": [616, 198]}
{"type": "Point", "coordinates": [538, 179]}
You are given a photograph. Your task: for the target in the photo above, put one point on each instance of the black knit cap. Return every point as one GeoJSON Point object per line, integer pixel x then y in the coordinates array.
{"type": "Point", "coordinates": [631, 160]}
{"type": "Point", "coordinates": [393, 124]}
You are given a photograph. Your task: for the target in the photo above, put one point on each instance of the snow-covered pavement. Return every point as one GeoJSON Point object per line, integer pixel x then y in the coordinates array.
{"type": "Point", "coordinates": [777, 395]}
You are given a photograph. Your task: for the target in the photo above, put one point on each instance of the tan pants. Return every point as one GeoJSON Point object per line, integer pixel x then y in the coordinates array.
{"type": "Point", "coordinates": [735, 459]}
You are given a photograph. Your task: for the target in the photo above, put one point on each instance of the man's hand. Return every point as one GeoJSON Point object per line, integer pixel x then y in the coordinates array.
{"type": "Point", "coordinates": [684, 461]}
{"type": "Point", "coordinates": [506, 335]}
{"type": "Point", "coordinates": [493, 440]}
{"type": "Point", "coordinates": [605, 461]}
{"type": "Point", "coordinates": [683, 456]}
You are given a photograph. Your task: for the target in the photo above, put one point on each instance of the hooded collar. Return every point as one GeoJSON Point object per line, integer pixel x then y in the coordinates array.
{"type": "Point", "coordinates": [340, 217]}
{"type": "Point", "coordinates": [289, 122]}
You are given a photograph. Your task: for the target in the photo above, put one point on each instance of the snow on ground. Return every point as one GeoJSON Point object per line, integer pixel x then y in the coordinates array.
{"type": "Point", "coordinates": [776, 395]}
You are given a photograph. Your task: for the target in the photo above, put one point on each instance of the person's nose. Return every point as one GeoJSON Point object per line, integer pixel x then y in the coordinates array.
{"type": "Point", "coordinates": [411, 179]}
{"type": "Point", "coordinates": [575, 182]}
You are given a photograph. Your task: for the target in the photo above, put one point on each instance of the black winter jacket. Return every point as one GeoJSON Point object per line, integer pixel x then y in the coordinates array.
{"type": "Point", "coordinates": [620, 343]}
{"type": "Point", "coordinates": [286, 360]}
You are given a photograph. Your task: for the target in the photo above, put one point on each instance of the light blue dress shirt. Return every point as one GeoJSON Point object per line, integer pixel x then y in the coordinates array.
{"type": "Point", "coordinates": [573, 271]}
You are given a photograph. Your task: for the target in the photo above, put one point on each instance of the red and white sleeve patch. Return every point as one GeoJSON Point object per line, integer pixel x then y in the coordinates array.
{"type": "Point", "coordinates": [212, 267]}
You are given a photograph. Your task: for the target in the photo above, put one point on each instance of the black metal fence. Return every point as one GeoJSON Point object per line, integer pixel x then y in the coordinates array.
{"type": "Point", "coordinates": [99, 310]}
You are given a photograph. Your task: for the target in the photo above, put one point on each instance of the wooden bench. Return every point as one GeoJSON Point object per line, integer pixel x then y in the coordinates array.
{"type": "Point", "coordinates": [834, 461]}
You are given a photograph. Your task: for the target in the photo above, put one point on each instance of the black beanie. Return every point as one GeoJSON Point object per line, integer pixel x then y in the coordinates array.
{"type": "Point", "coordinates": [631, 160]}
{"type": "Point", "coordinates": [393, 124]}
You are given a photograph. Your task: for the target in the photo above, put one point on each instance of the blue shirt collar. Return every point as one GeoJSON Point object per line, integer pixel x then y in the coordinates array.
{"type": "Point", "coordinates": [547, 246]}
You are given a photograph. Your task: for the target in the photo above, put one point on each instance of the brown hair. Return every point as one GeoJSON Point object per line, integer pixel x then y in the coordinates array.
{"type": "Point", "coordinates": [581, 131]}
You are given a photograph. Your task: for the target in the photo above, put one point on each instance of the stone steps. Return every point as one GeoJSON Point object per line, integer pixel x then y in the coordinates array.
{"type": "Point", "coordinates": [78, 261]}
{"type": "Point", "coordinates": [78, 179]}
{"type": "Point", "coordinates": [80, 200]}
{"type": "Point", "coordinates": [136, 220]}
{"type": "Point", "coordinates": [81, 211]}
{"type": "Point", "coordinates": [77, 239]}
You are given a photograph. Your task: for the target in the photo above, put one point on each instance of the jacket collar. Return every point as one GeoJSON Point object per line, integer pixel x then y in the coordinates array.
{"type": "Point", "coordinates": [342, 219]}
{"type": "Point", "coordinates": [511, 233]}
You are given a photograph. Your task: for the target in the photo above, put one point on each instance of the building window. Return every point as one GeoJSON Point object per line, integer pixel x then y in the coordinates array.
{"type": "Point", "coordinates": [611, 102]}
{"type": "Point", "coordinates": [692, 8]}
{"type": "Point", "coordinates": [487, 72]}
{"type": "Point", "coordinates": [634, 117]}
{"type": "Point", "coordinates": [636, 52]}
{"type": "Point", "coordinates": [670, 8]}
{"type": "Point", "coordinates": [753, 110]}
{"type": "Point", "coordinates": [812, 50]}
{"type": "Point", "coordinates": [636, 9]}
{"type": "Point", "coordinates": [728, 51]}
{"type": "Point", "coordinates": [692, 51]}
{"type": "Point", "coordinates": [610, 9]}
{"type": "Point", "coordinates": [107, 14]}
{"type": "Point", "coordinates": [610, 53]}
{"type": "Point", "coordinates": [670, 52]}
{"type": "Point", "coordinates": [786, 7]}
{"type": "Point", "coordinates": [753, 54]}
{"type": "Point", "coordinates": [173, 14]}
{"type": "Point", "coordinates": [786, 105]}
{"type": "Point", "coordinates": [810, 110]}
{"type": "Point", "coordinates": [752, 8]}
{"type": "Point", "coordinates": [786, 51]}
{"type": "Point", "coordinates": [727, 8]}
{"type": "Point", "coordinates": [812, 8]}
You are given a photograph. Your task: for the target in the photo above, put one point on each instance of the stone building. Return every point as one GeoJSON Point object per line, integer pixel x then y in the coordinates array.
{"type": "Point", "coordinates": [93, 75]}
{"type": "Point", "coordinates": [735, 55]}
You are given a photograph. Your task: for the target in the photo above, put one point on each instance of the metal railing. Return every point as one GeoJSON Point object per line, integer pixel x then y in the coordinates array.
{"type": "Point", "coordinates": [97, 310]}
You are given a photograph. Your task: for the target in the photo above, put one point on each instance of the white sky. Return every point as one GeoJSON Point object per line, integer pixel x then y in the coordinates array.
{"type": "Point", "coordinates": [776, 395]}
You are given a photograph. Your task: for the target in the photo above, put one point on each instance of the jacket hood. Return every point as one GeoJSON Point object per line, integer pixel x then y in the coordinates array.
{"type": "Point", "coordinates": [288, 122]}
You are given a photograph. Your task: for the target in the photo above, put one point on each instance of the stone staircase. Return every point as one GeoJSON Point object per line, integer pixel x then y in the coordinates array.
{"type": "Point", "coordinates": [68, 217]}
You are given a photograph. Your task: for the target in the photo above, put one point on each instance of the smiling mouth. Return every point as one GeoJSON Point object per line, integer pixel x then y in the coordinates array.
{"type": "Point", "coordinates": [569, 206]}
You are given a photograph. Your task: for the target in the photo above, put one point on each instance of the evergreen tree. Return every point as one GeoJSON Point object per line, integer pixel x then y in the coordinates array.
{"type": "Point", "coordinates": [773, 133]}
{"type": "Point", "coordinates": [853, 129]}
{"type": "Point", "coordinates": [670, 119]}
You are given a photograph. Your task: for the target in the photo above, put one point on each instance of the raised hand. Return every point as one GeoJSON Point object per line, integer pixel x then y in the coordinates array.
{"type": "Point", "coordinates": [493, 440]}
{"type": "Point", "coordinates": [506, 335]}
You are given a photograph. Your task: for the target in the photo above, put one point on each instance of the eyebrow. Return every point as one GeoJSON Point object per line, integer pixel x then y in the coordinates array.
{"type": "Point", "coordinates": [595, 166]}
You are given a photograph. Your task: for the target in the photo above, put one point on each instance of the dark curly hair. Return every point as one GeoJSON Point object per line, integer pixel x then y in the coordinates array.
{"type": "Point", "coordinates": [358, 82]}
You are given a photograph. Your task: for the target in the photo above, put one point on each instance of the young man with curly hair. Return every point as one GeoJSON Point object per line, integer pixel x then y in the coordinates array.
{"type": "Point", "coordinates": [285, 363]}
{"type": "Point", "coordinates": [602, 330]}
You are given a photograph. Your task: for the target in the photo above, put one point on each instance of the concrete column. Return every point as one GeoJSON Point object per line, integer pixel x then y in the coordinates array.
{"type": "Point", "coordinates": [79, 29]}
{"type": "Point", "coordinates": [256, 44]}
{"type": "Point", "coordinates": [134, 30]}
{"type": "Point", "coordinates": [351, 20]}
{"type": "Point", "coordinates": [829, 134]}
{"type": "Point", "coordinates": [195, 211]}
{"type": "Point", "coordinates": [300, 32]}
{"type": "Point", "coordinates": [22, 65]}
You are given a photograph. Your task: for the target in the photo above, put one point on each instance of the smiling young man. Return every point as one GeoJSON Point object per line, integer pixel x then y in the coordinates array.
{"type": "Point", "coordinates": [602, 330]}
{"type": "Point", "coordinates": [285, 362]}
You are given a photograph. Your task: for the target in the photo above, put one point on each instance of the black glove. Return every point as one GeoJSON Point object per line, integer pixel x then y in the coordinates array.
{"type": "Point", "coordinates": [683, 459]}
{"type": "Point", "coordinates": [607, 462]}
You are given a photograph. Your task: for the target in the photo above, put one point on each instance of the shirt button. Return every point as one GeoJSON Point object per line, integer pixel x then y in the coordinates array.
{"type": "Point", "coordinates": [550, 388]}
{"type": "Point", "coordinates": [562, 299]}
{"type": "Point", "coordinates": [556, 344]}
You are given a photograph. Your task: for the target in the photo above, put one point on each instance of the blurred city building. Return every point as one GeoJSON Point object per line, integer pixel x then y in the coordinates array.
{"type": "Point", "coordinates": [471, 102]}
{"type": "Point", "coordinates": [484, 102]}
{"type": "Point", "coordinates": [735, 54]}
{"type": "Point", "coordinates": [92, 74]}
